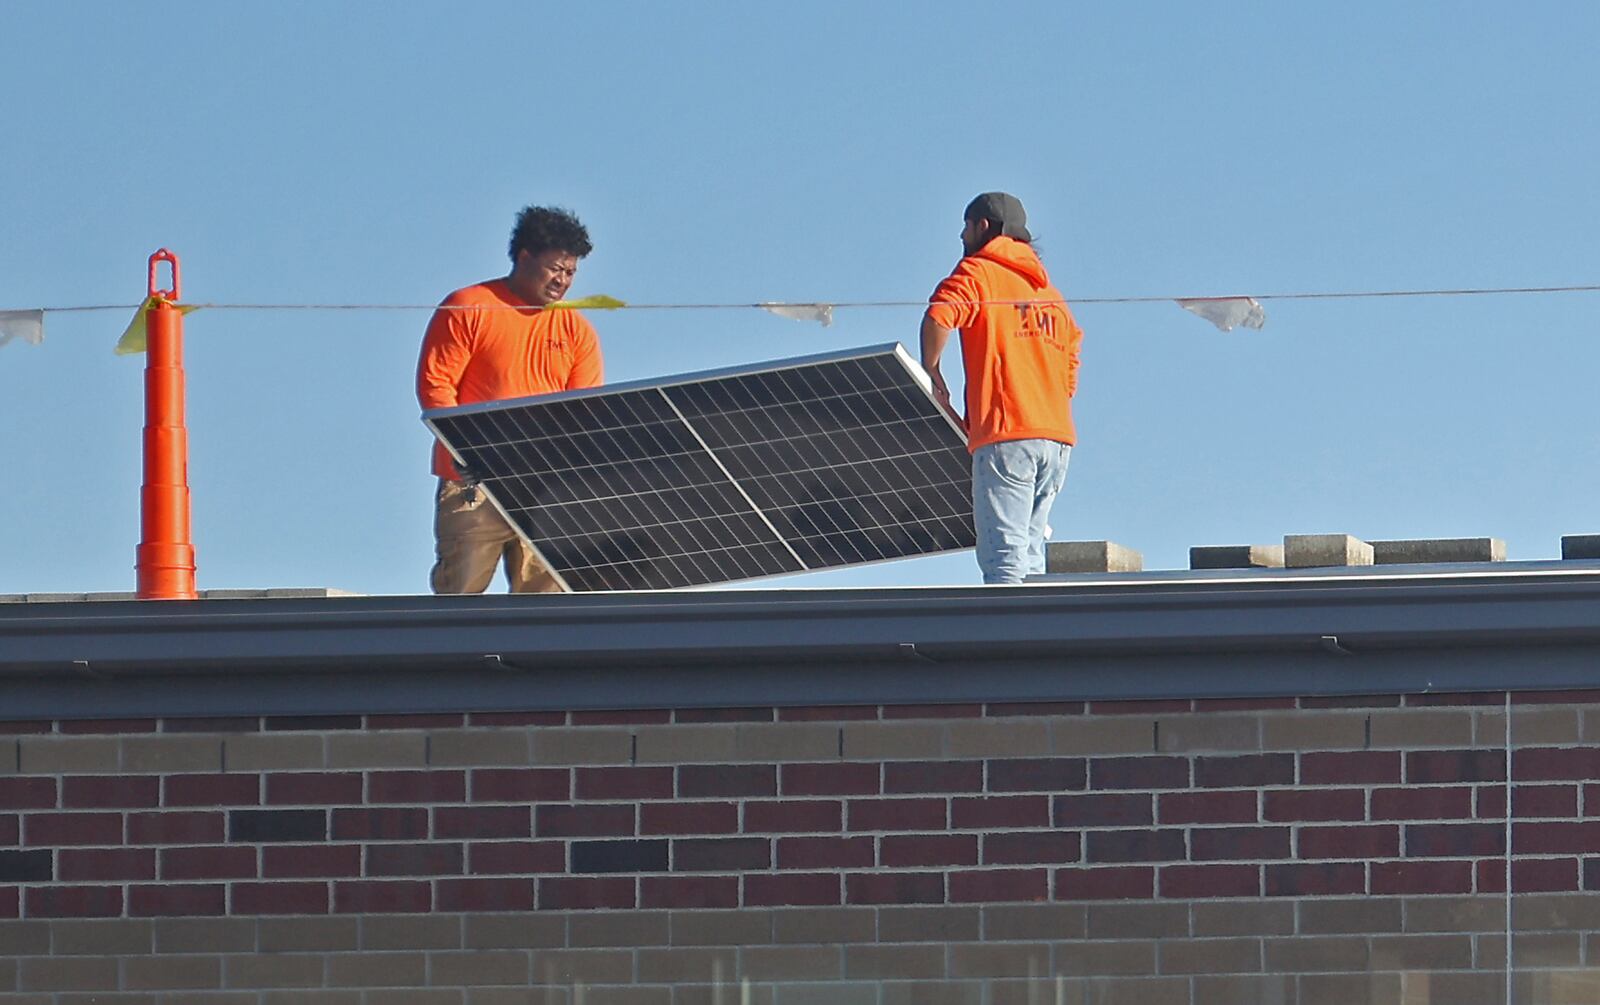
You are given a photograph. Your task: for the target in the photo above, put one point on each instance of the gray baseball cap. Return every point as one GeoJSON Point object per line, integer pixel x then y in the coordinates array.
{"type": "Point", "coordinates": [1003, 208]}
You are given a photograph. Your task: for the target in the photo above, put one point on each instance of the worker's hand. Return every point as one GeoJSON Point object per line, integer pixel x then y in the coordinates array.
{"type": "Point", "coordinates": [941, 390]}
{"type": "Point", "coordinates": [470, 476]}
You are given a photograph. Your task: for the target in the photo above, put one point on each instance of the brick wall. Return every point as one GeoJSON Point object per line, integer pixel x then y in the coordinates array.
{"type": "Point", "coordinates": [1284, 851]}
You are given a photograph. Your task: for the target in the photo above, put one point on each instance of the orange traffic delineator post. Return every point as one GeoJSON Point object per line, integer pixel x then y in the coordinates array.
{"type": "Point", "coordinates": [165, 562]}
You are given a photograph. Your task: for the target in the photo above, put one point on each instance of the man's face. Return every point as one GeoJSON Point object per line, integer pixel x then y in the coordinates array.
{"type": "Point", "coordinates": [974, 235]}
{"type": "Point", "coordinates": [545, 278]}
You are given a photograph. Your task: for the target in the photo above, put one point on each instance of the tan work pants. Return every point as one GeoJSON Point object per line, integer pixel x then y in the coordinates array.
{"type": "Point", "coordinates": [471, 538]}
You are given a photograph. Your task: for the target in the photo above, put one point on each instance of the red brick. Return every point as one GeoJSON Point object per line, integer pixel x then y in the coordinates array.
{"type": "Point", "coordinates": [925, 850]}
{"type": "Point", "coordinates": [793, 816]}
{"type": "Point", "coordinates": [1197, 881]}
{"type": "Point", "coordinates": [895, 814]}
{"type": "Point", "coordinates": [688, 818]}
{"type": "Point", "coordinates": [708, 781]}
{"type": "Point", "coordinates": [105, 864]}
{"type": "Point", "coordinates": [521, 785]}
{"type": "Point", "coordinates": [416, 787]}
{"type": "Point", "coordinates": [1133, 846]}
{"type": "Point", "coordinates": [1220, 844]}
{"type": "Point", "coordinates": [829, 779]}
{"type": "Point", "coordinates": [932, 776]}
{"type": "Point", "coordinates": [1529, 875]}
{"type": "Point", "coordinates": [1117, 883]}
{"type": "Point", "coordinates": [424, 720]}
{"type": "Point", "coordinates": [894, 888]}
{"type": "Point", "coordinates": [1314, 804]}
{"type": "Point", "coordinates": [168, 901]}
{"type": "Point", "coordinates": [85, 726]}
{"type": "Point", "coordinates": [290, 861]}
{"type": "Point", "coordinates": [1350, 767]}
{"type": "Point", "coordinates": [214, 790]}
{"type": "Point", "coordinates": [622, 717]}
{"type": "Point", "coordinates": [1000, 811]}
{"type": "Point", "coordinates": [1243, 704]}
{"type": "Point", "coordinates": [499, 894]}
{"type": "Point", "coordinates": [517, 719]}
{"type": "Point", "coordinates": [624, 783]}
{"type": "Point", "coordinates": [1000, 709]}
{"type": "Point", "coordinates": [1209, 807]}
{"type": "Point", "coordinates": [213, 724]}
{"type": "Point", "coordinates": [1454, 840]}
{"type": "Point", "coordinates": [828, 713]}
{"type": "Point", "coordinates": [76, 829]}
{"type": "Point", "coordinates": [1590, 696]}
{"type": "Point", "coordinates": [73, 901]}
{"type": "Point", "coordinates": [1378, 841]}
{"type": "Point", "coordinates": [516, 856]}
{"type": "Point", "coordinates": [280, 898]}
{"type": "Point", "coordinates": [1103, 809]}
{"type": "Point", "coordinates": [405, 896]}
{"type": "Point", "coordinates": [932, 711]}
{"type": "Point", "coordinates": [1422, 803]}
{"type": "Point", "coordinates": [1350, 701]}
{"type": "Point", "coordinates": [10, 829]}
{"type": "Point", "coordinates": [484, 821]}
{"type": "Point", "coordinates": [415, 859]}
{"type": "Point", "coordinates": [310, 723]}
{"type": "Point", "coordinates": [10, 902]}
{"type": "Point", "coordinates": [1038, 774]}
{"type": "Point", "coordinates": [557, 893]}
{"type": "Point", "coordinates": [987, 886]}
{"type": "Point", "coordinates": [183, 827]}
{"type": "Point", "coordinates": [1533, 801]}
{"type": "Point", "coordinates": [28, 793]}
{"type": "Point", "coordinates": [1026, 847]}
{"type": "Point", "coordinates": [1553, 838]}
{"type": "Point", "coordinates": [1316, 879]}
{"type": "Point", "coordinates": [689, 891]}
{"type": "Point", "coordinates": [1554, 763]}
{"type": "Point", "coordinates": [721, 854]}
{"type": "Point", "coordinates": [1455, 699]}
{"type": "Point", "coordinates": [209, 862]}
{"type": "Point", "coordinates": [1148, 706]}
{"type": "Point", "coordinates": [793, 889]}
{"type": "Point", "coordinates": [380, 824]}
{"type": "Point", "coordinates": [1435, 766]}
{"type": "Point", "coordinates": [1421, 877]}
{"type": "Point", "coordinates": [724, 714]}
{"type": "Point", "coordinates": [1244, 771]}
{"type": "Point", "coordinates": [106, 791]}
{"type": "Point", "coordinates": [314, 788]}
{"type": "Point", "coordinates": [597, 820]}
{"type": "Point", "coordinates": [14, 727]}
{"type": "Point", "coordinates": [828, 853]}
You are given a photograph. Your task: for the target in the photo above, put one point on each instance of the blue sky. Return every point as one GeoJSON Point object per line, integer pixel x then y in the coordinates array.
{"type": "Point", "coordinates": [376, 153]}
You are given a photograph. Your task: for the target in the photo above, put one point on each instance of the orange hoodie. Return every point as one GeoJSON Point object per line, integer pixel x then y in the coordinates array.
{"type": "Point", "coordinates": [1020, 354]}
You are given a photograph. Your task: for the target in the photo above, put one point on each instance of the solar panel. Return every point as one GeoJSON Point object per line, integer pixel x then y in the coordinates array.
{"type": "Point", "coordinates": [723, 476]}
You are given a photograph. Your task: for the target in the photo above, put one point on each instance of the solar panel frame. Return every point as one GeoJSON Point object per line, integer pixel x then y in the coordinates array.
{"type": "Point", "coordinates": [794, 394]}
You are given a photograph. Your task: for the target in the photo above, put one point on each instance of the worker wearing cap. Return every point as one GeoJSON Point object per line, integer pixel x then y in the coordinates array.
{"type": "Point", "coordinates": [1019, 355]}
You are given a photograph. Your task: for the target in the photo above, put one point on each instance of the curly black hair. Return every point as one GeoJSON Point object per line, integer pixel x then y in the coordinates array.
{"type": "Point", "coordinates": [542, 228]}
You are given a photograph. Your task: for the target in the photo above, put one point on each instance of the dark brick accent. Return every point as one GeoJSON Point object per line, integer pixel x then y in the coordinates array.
{"type": "Point", "coordinates": [427, 859]}
{"type": "Point", "coordinates": [73, 901]}
{"type": "Point", "coordinates": [416, 786]}
{"type": "Point", "coordinates": [826, 853]}
{"type": "Point", "coordinates": [688, 818]}
{"type": "Point", "coordinates": [1431, 766]}
{"type": "Point", "coordinates": [932, 776]}
{"type": "Point", "coordinates": [927, 850]}
{"type": "Point", "coordinates": [1103, 809]}
{"type": "Point", "coordinates": [848, 779]}
{"type": "Point", "coordinates": [25, 867]}
{"type": "Point", "coordinates": [1421, 877]}
{"type": "Point", "coordinates": [793, 816]}
{"type": "Point", "coordinates": [1249, 770]}
{"type": "Point", "coordinates": [1314, 804]}
{"type": "Point", "coordinates": [106, 791]}
{"type": "Point", "coordinates": [619, 856]}
{"type": "Point", "coordinates": [499, 894]}
{"type": "Point", "coordinates": [1198, 881]}
{"type": "Point", "coordinates": [1316, 879]}
{"type": "Point", "coordinates": [1139, 773]}
{"type": "Point", "coordinates": [721, 854]}
{"type": "Point", "coordinates": [970, 886]}
{"type": "Point", "coordinates": [233, 724]}
{"type": "Point", "coordinates": [791, 889]}
{"type": "Point", "coordinates": [999, 811]}
{"type": "Point", "coordinates": [1115, 883]}
{"type": "Point", "coordinates": [624, 783]}
{"type": "Point", "coordinates": [209, 862]}
{"type": "Point", "coordinates": [1212, 806]}
{"type": "Point", "coordinates": [170, 901]}
{"type": "Point", "coordinates": [1038, 774]}
{"type": "Point", "coordinates": [1347, 842]}
{"type": "Point", "coordinates": [1454, 840]}
{"type": "Point", "coordinates": [558, 893]}
{"type": "Point", "coordinates": [484, 821]}
{"type": "Point", "coordinates": [301, 861]}
{"type": "Point", "coordinates": [1419, 803]}
{"type": "Point", "coordinates": [382, 897]}
{"type": "Point", "coordinates": [219, 790]}
{"type": "Point", "coordinates": [1350, 767]}
{"type": "Point", "coordinates": [895, 814]}
{"type": "Point", "coordinates": [314, 788]}
{"type": "Point", "coordinates": [1133, 846]}
{"type": "Point", "coordinates": [380, 824]}
{"type": "Point", "coordinates": [894, 888]}
{"type": "Point", "coordinates": [1218, 844]}
{"type": "Point", "coordinates": [184, 827]}
{"type": "Point", "coordinates": [280, 898]}
{"type": "Point", "coordinates": [595, 820]}
{"type": "Point", "coordinates": [261, 826]}
{"type": "Point", "coordinates": [1591, 874]}
{"type": "Point", "coordinates": [516, 857]}
{"type": "Point", "coordinates": [689, 891]}
{"type": "Point", "coordinates": [521, 785]}
{"type": "Point", "coordinates": [705, 781]}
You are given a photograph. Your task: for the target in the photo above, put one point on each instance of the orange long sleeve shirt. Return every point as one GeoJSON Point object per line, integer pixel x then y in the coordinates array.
{"type": "Point", "coordinates": [508, 349]}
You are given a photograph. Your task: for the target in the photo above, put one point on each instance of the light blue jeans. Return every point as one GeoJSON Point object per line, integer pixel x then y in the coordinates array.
{"type": "Point", "coordinates": [1013, 484]}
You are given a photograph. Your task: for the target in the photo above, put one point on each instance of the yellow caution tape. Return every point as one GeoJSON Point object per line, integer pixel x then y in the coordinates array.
{"type": "Point", "coordinates": [134, 338]}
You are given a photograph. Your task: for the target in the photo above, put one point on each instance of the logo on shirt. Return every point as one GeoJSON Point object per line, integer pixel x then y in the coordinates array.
{"type": "Point", "coordinates": [1040, 322]}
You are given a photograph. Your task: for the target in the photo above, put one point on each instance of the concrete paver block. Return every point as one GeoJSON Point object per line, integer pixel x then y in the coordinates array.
{"type": "Point", "coordinates": [1308, 551]}
{"type": "Point", "coordinates": [1575, 546]}
{"type": "Point", "coordinates": [1452, 549]}
{"type": "Point", "coordinates": [1236, 556]}
{"type": "Point", "coordinates": [1091, 556]}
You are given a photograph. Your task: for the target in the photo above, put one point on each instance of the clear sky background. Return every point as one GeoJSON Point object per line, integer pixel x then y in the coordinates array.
{"type": "Point", "coordinates": [360, 152]}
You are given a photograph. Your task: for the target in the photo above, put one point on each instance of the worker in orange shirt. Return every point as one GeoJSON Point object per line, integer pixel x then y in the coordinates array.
{"type": "Point", "coordinates": [1019, 354]}
{"type": "Point", "coordinates": [492, 341]}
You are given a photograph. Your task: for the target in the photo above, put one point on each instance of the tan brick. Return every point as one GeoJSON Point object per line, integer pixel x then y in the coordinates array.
{"type": "Point", "coordinates": [410, 931]}
{"type": "Point", "coordinates": [1555, 912]}
{"type": "Point", "coordinates": [514, 931]}
{"type": "Point", "coordinates": [102, 998]}
{"type": "Point", "coordinates": [1425, 988]}
{"type": "Point", "coordinates": [26, 938]}
{"type": "Point", "coordinates": [933, 993]}
{"type": "Point", "coordinates": [786, 741]}
{"type": "Point", "coordinates": [77, 973]}
{"type": "Point", "coordinates": [725, 994]}
{"type": "Point", "coordinates": [685, 966]}
{"type": "Point", "coordinates": [1026, 922]}
{"type": "Point", "coordinates": [888, 963]}
{"type": "Point", "coordinates": [309, 935]}
{"type": "Point", "coordinates": [1348, 989]}
{"type": "Point", "coordinates": [307, 997]}
{"type": "Point", "coordinates": [171, 973]}
{"type": "Point", "coordinates": [1314, 730]}
{"type": "Point", "coordinates": [1008, 737]}
{"type": "Point", "coordinates": [275, 971]}
{"type": "Point", "coordinates": [66, 755]}
{"type": "Point", "coordinates": [830, 925]}
{"type": "Point", "coordinates": [415, 996]}
{"type": "Point", "coordinates": [1042, 990]}
{"type": "Point", "coordinates": [1421, 952]}
{"type": "Point", "coordinates": [1128, 991]}
{"type": "Point", "coordinates": [205, 935]}
{"type": "Point", "coordinates": [687, 744]}
{"type": "Point", "coordinates": [1410, 728]}
{"type": "Point", "coordinates": [591, 966]}
{"type": "Point", "coordinates": [1450, 914]}
{"type": "Point", "coordinates": [1248, 917]}
{"type": "Point", "coordinates": [1314, 954]}
{"type": "Point", "coordinates": [1534, 950]}
{"type": "Point", "coordinates": [501, 966]}
{"type": "Point", "coordinates": [1012, 959]}
{"type": "Point", "coordinates": [617, 928]}
{"type": "Point", "coordinates": [1557, 987]}
{"type": "Point", "coordinates": [625, 996]}
{"type": "Point", "coordinates": [489, 747]}
{"type": "Point", "coordinates": [1349, 917]}
{"type": "Point", "coordinates": [893, 740]}
{"type": "Point", "coordinates": [1097, 958]}
{"type": "Point", "coordinates": [1096, 735]}
{"type": "Point", "coordinates": [1529, 727]}
{"type": "Point", "coordinates": [165, 754]}
{"type": "Point", "coordinates": [721, 928]}
{"type": "Point", "coordinates": [109, 937]}
{"type": "Point", "coordinates": [582, 746]}
{"type": "Point", "coordinates": [198, 998]}
{"type": "Point", "coordinates": [1185, 733]}
{"type": "Point", "coordinates": [1138, 921]}
{"type": "Point", "coordinates": [520, 996]}
{"type": "Point", "coordinates": [1245, 989]}
{"type": "Point", "coordinates": [377, 750]}
{"type": "Point", "coordinates": [273, 752]}
{"type": "Point", "coordinates": [830, 993]}
{"type": "Point", "coordinates": [929, 924]}
{"type": "Point", "coordinates": [377, 970]}
{"type": "Point", "coordinates": [1209, 956]}
{"type": "Point", "coordinates": [1591, 724]}
{"type": "Point", "coordinates": [9, 757]}
{"type": "Point", "coordinates": [798, 963]}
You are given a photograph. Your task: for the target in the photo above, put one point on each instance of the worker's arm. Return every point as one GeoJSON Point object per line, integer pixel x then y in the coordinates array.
{"type": "Point", "coordinates": [446, 350]}
{"type": "Point", "coordinates": [588, 366]}
{"type": "Point", "coordinates": [934, 338]}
